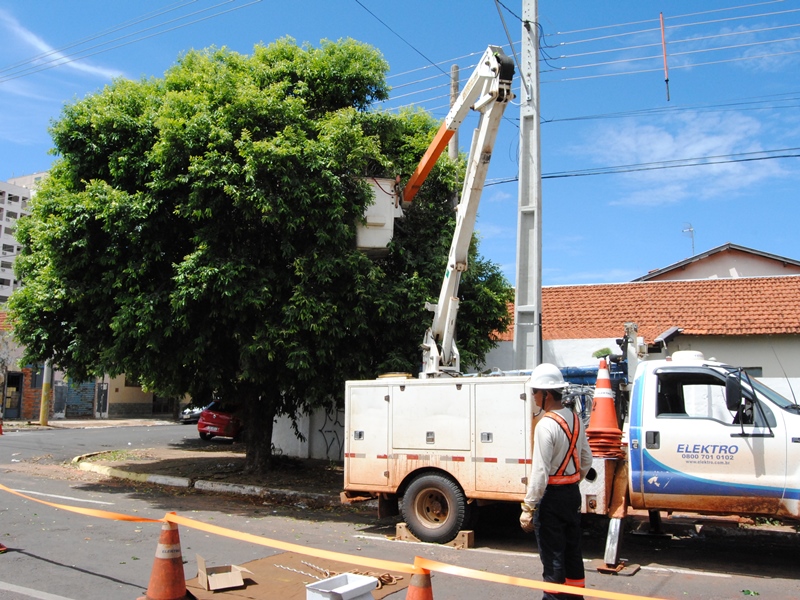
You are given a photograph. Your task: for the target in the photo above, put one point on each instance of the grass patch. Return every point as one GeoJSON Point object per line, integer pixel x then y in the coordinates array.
{"type": "Point", "coordinates": [120, 455]}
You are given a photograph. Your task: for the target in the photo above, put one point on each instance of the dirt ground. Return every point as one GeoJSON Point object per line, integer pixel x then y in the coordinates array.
{"type": "Point", "coordinates": [224, 462]}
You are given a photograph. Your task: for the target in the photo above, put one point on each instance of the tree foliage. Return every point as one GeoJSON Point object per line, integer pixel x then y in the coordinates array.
{"type": "Point", "coordinates": [197, 233]}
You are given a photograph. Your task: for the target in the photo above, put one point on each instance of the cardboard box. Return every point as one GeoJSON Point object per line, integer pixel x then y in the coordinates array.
{"type": "Point", "coordinates": [219, 578]}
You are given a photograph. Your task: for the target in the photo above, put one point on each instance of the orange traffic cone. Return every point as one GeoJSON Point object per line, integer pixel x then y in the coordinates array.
{"type": "Point", "coordinates": [167, 581]}
{"type": "Point", "coordinates": [605, 436]}
{"type": "Point", "coordinates": [419, 588]}
{"type": "Point", "coordinates": [2, 548]}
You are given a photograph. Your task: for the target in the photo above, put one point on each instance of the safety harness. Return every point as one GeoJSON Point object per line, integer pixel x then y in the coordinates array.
{"type": "Point", "coordinates": [559, 477]}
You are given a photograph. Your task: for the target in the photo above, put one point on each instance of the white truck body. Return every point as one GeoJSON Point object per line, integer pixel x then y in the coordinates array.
{"type": "Point", "coordinates": [686, 450]}
{"type": "Point", "coordinates": [477, 430]}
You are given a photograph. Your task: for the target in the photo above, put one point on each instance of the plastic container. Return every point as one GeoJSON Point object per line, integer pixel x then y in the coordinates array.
{"type": "Point", "coordinates": [347, 586]}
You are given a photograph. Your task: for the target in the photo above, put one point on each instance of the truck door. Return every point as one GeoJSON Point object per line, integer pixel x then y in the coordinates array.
{"type": "Point", "coordinates": [698, 456]}
{"type": "Point", "coordinates": [502, 442]}
{"type": "Point", "coordinates": [366, 448]}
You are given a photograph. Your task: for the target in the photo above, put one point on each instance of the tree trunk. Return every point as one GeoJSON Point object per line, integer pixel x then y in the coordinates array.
{"type": "Point", "coordinates": [260, 415]}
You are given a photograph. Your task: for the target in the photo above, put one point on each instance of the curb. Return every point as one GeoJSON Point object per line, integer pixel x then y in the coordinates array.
{"type": "Point", "coordinates": [184, 482]}
{"type": "Point", "coordinates": [207, 486]}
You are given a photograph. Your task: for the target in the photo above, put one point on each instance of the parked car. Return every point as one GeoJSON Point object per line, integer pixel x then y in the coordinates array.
{"type": "Point", "coordinates": [219, 419]}
{"type": "Point", "coordinates": [191, 414]}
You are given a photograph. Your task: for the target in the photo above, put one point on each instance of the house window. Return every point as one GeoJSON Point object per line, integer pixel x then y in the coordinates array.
{"type": "Point", "coordinates": [37, 376]}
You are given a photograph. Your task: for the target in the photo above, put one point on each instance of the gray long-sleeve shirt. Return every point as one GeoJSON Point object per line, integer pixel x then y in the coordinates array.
{"type": "Point", "coordinates": [550, 445]}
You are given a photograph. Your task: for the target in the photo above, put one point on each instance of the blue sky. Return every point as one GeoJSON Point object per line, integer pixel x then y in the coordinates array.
{"type": "Point", "coordinates": [733, 108]}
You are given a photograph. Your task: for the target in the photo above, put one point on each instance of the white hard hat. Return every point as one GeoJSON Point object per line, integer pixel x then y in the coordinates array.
{"type": "Point", "coordinates": [547, 376]}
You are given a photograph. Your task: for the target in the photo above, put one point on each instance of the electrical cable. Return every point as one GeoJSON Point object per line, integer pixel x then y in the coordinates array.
{"type": "Point", "coordinates": [674, 54]}
{"type": "Point", "coordinates": [113, 29]}
{"type": "Point", "coordinates": [72, 58]}
{"type": "Point", "coordinates": [409, 44]}
{"type": "Point", "coordinates": [674, 67]}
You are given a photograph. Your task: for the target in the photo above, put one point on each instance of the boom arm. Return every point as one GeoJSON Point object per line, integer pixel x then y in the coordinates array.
{"type": "Point", "coordinates": [488, 91]}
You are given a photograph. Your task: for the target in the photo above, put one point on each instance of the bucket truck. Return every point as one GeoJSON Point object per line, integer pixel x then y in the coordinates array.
{"type": "Point", "coordinates": [699, 435]}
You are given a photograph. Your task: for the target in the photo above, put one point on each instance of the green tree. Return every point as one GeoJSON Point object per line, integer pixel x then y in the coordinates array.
{"type": "Point", "coordinates": [197, 233]}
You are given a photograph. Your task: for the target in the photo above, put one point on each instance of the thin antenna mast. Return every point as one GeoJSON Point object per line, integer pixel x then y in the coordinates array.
{"type": "Point", "coordinates": [687, 228]}
{"type": "Point", "coordinates": [664, 49]}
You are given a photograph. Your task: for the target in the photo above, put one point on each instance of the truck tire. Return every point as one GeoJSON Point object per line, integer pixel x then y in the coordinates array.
{"type": "Point", "coordinates": [434, 508]}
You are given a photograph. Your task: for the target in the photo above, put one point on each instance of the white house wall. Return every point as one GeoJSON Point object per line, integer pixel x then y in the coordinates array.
{"type": "Point", "coordinates": [563, 353]}
{"type": "Point", "coordinates": [323, 431]}
{"type": "Point", "coordinates": [778, 356]}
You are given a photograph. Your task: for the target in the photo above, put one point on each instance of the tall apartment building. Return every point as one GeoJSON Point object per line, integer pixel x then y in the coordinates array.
{"type": "Point", "coordinates": [14, 200]}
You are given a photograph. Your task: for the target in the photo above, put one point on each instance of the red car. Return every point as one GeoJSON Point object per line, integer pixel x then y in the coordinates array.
{"type": "Point", "coordinates": [219, 419]}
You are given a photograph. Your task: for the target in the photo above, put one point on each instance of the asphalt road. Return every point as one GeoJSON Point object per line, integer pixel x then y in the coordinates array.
{"type": "Point", "coordinates": [57, 555]}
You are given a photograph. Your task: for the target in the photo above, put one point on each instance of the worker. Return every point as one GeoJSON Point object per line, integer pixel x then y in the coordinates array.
{"type": "Point", "coordinates": [561, 459]}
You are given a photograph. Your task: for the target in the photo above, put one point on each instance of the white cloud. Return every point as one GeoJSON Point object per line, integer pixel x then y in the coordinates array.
{"type": "Point", "coordinates": [704, 137]}
{"type": "Point", "coordinates": [499, 196]}
{"type": "Point", "coordinates": [49, 56]}
{"type": "Point", "coordinates": [488, 230]}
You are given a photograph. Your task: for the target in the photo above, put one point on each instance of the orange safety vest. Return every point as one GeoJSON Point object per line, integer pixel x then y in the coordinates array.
{"type": "Point", "coordinates": [559, 478]}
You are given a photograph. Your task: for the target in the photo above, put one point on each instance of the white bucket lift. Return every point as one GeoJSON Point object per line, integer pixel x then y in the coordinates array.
{"type": "Point", "coordinates": [374, 235]}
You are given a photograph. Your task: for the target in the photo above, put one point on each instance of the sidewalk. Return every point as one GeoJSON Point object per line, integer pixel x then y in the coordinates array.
{"type": "Point", "coordinates": [215, 466]}
{"type": "Point", "coordinates": [21, 425]}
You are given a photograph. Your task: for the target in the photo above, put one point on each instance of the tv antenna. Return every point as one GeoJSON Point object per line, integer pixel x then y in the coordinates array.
{"type": "Point", "coordinates": [688, 229]}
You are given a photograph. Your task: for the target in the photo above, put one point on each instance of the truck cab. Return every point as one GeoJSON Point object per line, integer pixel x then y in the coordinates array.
{"type": "Point", "coordinates": [706, 438]}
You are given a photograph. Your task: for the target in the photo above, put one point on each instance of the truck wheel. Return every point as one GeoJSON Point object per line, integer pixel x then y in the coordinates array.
{"type": "Point", "coordinates": [205, 436]}
{"type": "Point", "coordinates": [434, 508]}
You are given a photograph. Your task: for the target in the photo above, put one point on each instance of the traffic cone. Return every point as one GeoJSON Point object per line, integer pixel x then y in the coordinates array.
{"type": "Point", "coordinates": [2, 548]}
{"type": "Point", "coordinates": [419, 588]}
{"type": "Point", "coordinates": [167, 581]}
{"type": "Point", "coordinates": [605, 436]}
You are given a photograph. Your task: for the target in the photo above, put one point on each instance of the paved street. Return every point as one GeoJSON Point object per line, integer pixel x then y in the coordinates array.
{"type": "Point", "coordinates": [78, 557]}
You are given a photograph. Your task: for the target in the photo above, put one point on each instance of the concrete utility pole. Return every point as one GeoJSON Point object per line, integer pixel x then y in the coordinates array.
{"type": "Point", "coordinates": [528, 301]}
{"type": "Point", "coordinates": [44, 405]}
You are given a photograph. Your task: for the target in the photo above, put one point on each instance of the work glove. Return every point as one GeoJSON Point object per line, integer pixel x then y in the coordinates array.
{"type": "Point", "coordinates": [526, 518]}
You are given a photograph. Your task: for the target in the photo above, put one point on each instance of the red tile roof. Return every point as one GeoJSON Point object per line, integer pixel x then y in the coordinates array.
{"type": "Point", "coordinates": [744, 306]}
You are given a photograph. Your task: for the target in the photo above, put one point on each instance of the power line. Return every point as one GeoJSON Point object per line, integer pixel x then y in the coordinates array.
{"type": "Point", "coordinates": [674, 54]}
{"type": "Point", "coordinates": [674, 67]}
{"type": "Point", "coordinates": [703, 39]}
{"type": "Point", "coordinates": [81, 55]}
{"type": "Point", "coordinates": [113, 29]}
{"type": "Point", "coordinates": [743, 105]}
{"type": "Point", "coordinates": [667, 164]}
{"type": "Point", "coordinates": [673, 42]}
{"type": "Point", "coordinates": [405, 41]}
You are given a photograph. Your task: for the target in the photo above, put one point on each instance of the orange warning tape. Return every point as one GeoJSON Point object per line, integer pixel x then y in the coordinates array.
{"type": "Point", "coordinates": [421, 565]}
{"type": "Point", "coordinates": [440, 567]}
{"type": "Point", "coordinates": [103, 514]}
{"type": "Point", "coordinates": [373, 563]}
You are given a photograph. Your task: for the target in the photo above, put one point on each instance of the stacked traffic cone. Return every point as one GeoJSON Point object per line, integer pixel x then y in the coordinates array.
{"type": "Point", "coordinates": [167, 581]}
{"type": "Point", "coordinates": [419, 588]}
{"type": "Point", "coordinates": [605, 436]}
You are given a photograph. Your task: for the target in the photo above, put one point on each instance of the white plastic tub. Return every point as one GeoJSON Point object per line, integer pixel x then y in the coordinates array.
{"type": "Point", "coordinates": [346, 586]}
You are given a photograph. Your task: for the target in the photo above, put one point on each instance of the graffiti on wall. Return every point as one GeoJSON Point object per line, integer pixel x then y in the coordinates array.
{"type": "Point", "coordinates": [331, 433]}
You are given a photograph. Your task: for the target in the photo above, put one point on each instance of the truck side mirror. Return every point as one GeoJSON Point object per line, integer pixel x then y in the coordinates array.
{"type": "Point", "coordinates": [733, 391]}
